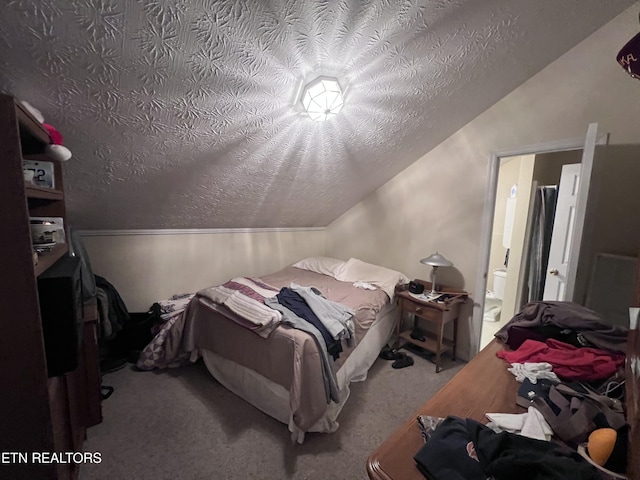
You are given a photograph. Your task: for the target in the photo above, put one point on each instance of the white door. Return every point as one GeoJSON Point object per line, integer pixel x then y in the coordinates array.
{"type": "Point", "coordinates": [563, 229]}
{"type": "Point", "coordinates": [569, 222]}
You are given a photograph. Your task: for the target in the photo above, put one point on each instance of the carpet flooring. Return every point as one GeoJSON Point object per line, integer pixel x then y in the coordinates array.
{"type": "Point", "coordinates": [182, 424]}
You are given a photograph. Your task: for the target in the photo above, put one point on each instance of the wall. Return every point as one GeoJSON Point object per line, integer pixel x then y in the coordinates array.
{"type": "Point", "coordinates": [524, 182]}
{"type": "Point", "coordinates": [148, 268]}
{"type": "Point", "coordinates": [548, 167]}
{"type": "Point", "coordinates": [437, 203]}
{"type": "Point", "coordinates": [613, 219]}
{"type": "Point", "coordinates": [508, 176]}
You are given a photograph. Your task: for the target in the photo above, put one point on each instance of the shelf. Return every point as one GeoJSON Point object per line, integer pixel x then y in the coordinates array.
{"type": "Point", "coordinates": [47, 414]}
{"type": "Point", "coordinates": [39, 157]}
{"type": "Point", "coordinates": [458, 297]}
{"type": "Point", "coordinates": [31, 125]}
{"type": "Point", "coordinates": [430, 342]}
{"type": "Point", "coordinates": [43, 193]}
{"type": "Point", "coordinates": [45, 260]}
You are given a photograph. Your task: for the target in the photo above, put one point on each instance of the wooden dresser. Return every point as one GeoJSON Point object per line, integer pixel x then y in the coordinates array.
{"type": "Point", "coordinates": [38, 413]}
{"type": "Point", "coordinates": [484, 385]}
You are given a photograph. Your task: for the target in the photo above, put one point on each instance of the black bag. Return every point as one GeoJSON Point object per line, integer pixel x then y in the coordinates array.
{"type": "Point", "coordinates": [571, 412]}
{"type": "Point", "coordinates": [137, 332]}
{"type": "Point", "coordinates": [528, 391]}
{"type": "Point", "coordinates": [415, 287]}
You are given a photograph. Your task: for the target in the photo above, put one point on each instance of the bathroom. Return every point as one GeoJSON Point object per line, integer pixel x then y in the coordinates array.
{"type": "Point", "coordinates": [523, 182]}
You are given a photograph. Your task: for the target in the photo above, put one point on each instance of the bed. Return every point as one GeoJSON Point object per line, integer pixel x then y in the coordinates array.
{"type": "Point", "coordinates": [275, 367]}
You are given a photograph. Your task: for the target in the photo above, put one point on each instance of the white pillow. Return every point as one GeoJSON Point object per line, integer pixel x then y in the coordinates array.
{"type": "Point", "coordinates": [323, 265]}
{"type": "Point", "coordinates": [385, 279]}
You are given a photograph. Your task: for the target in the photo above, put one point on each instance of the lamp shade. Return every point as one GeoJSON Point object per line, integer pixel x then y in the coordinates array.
{"type": "Point", "coordinates": [629, 55]}
{"type": "Point", "coordinates": [436, 260]}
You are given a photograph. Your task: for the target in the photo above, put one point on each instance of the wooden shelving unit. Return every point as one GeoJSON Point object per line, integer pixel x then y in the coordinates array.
{"type": "Point", "coordinates": [30, 126]}
{"type": "Point", "coordinates": [41, 414]}
{"type": "Point", "coordinates": [43, 193]}
{"type": "Point", "coordinates": [435, 313]}
{"type": "Point", "coordinates": [46, 259]}
{"type": "Point", "coordinates": [429, 343]}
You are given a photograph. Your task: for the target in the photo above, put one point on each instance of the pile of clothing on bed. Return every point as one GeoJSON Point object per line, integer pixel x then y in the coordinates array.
{"type": "Point", "coordinates": [261, 308]}
{"type": "Point", "coordinates": [571, 366]}
{"type": "Point", "coordinates": [305, 308]}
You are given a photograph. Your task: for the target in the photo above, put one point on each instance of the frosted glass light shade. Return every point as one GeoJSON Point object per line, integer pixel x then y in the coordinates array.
{"type": "Point", "coordinates": [322, 98]}
{"type": "Point", "coordinates": [436, 260]}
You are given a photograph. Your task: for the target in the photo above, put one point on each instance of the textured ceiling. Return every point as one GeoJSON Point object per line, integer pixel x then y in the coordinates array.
{"type": "Point", "coordinates": [183, 114]}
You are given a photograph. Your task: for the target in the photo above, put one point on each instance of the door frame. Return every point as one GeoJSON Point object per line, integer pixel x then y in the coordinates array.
{"type": "Point", "coordinates": [488, 212]}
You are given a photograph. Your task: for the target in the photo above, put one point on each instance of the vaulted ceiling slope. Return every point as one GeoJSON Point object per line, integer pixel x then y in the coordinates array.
{"type": "Point", "coordinates": [184, 113]}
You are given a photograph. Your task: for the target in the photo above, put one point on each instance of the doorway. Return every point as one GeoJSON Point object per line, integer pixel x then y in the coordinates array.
{"type": "Point", "coordinates": [525, 194]}
{"type": "Point", "coordinates": [588, 145]}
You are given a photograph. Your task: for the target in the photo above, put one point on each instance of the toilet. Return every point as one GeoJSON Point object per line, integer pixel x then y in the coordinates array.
{"type": "Point", "coordinates": [493, 299]}
{"type": "Point", "coordinates": [499, 281]}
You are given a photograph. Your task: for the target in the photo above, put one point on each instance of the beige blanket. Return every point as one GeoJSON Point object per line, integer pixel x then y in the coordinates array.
{"type": "Point", "coordinates": [245, 297]}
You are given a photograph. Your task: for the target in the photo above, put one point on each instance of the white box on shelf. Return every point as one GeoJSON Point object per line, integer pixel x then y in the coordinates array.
{"type": "Point", "coordinates": [43, 175]}
{"type": "Point", "coordinates": [47, 230]}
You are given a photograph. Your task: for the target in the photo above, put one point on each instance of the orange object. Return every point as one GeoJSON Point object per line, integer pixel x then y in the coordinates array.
{"type": "Point", "coordinates": [600, 445]}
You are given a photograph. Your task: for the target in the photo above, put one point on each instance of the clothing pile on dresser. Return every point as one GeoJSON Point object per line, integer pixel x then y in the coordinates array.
{"type": "Point", "coordinates": [570, 363]}
{"type": "Point", "coordinates": [461, 448]}
{"type": "Point", "coordinates": [567, 322]}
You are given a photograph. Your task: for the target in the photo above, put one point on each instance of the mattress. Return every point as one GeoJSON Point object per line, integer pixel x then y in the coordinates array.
{"type": "Point", "coordinates": [275, 400]}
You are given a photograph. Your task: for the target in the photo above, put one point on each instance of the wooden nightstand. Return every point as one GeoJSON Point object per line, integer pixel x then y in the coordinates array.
{"type": "Point", "coordinates": [438, 313]}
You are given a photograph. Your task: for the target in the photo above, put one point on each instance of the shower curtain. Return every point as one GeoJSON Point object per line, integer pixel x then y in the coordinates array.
{"type": "Point", "coordinates": [544, 209]}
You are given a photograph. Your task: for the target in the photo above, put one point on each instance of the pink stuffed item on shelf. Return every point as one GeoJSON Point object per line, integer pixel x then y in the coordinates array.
{"type": "Point", "coordinates": [55, 149]}
{"type": "Point", "coordinates": [54, 135]}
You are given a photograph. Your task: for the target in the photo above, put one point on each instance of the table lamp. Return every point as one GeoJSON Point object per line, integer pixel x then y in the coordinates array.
{"type": "Point", "coordinates": [435, 260]}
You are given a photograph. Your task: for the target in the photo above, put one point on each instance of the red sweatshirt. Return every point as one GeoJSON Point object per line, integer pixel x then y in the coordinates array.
{"type": "Point", "coordinates": [569, 362]}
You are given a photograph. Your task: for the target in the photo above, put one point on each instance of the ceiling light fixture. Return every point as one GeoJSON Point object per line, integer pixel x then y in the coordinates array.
{"type": "Point", "coordinates": [322, 98]}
